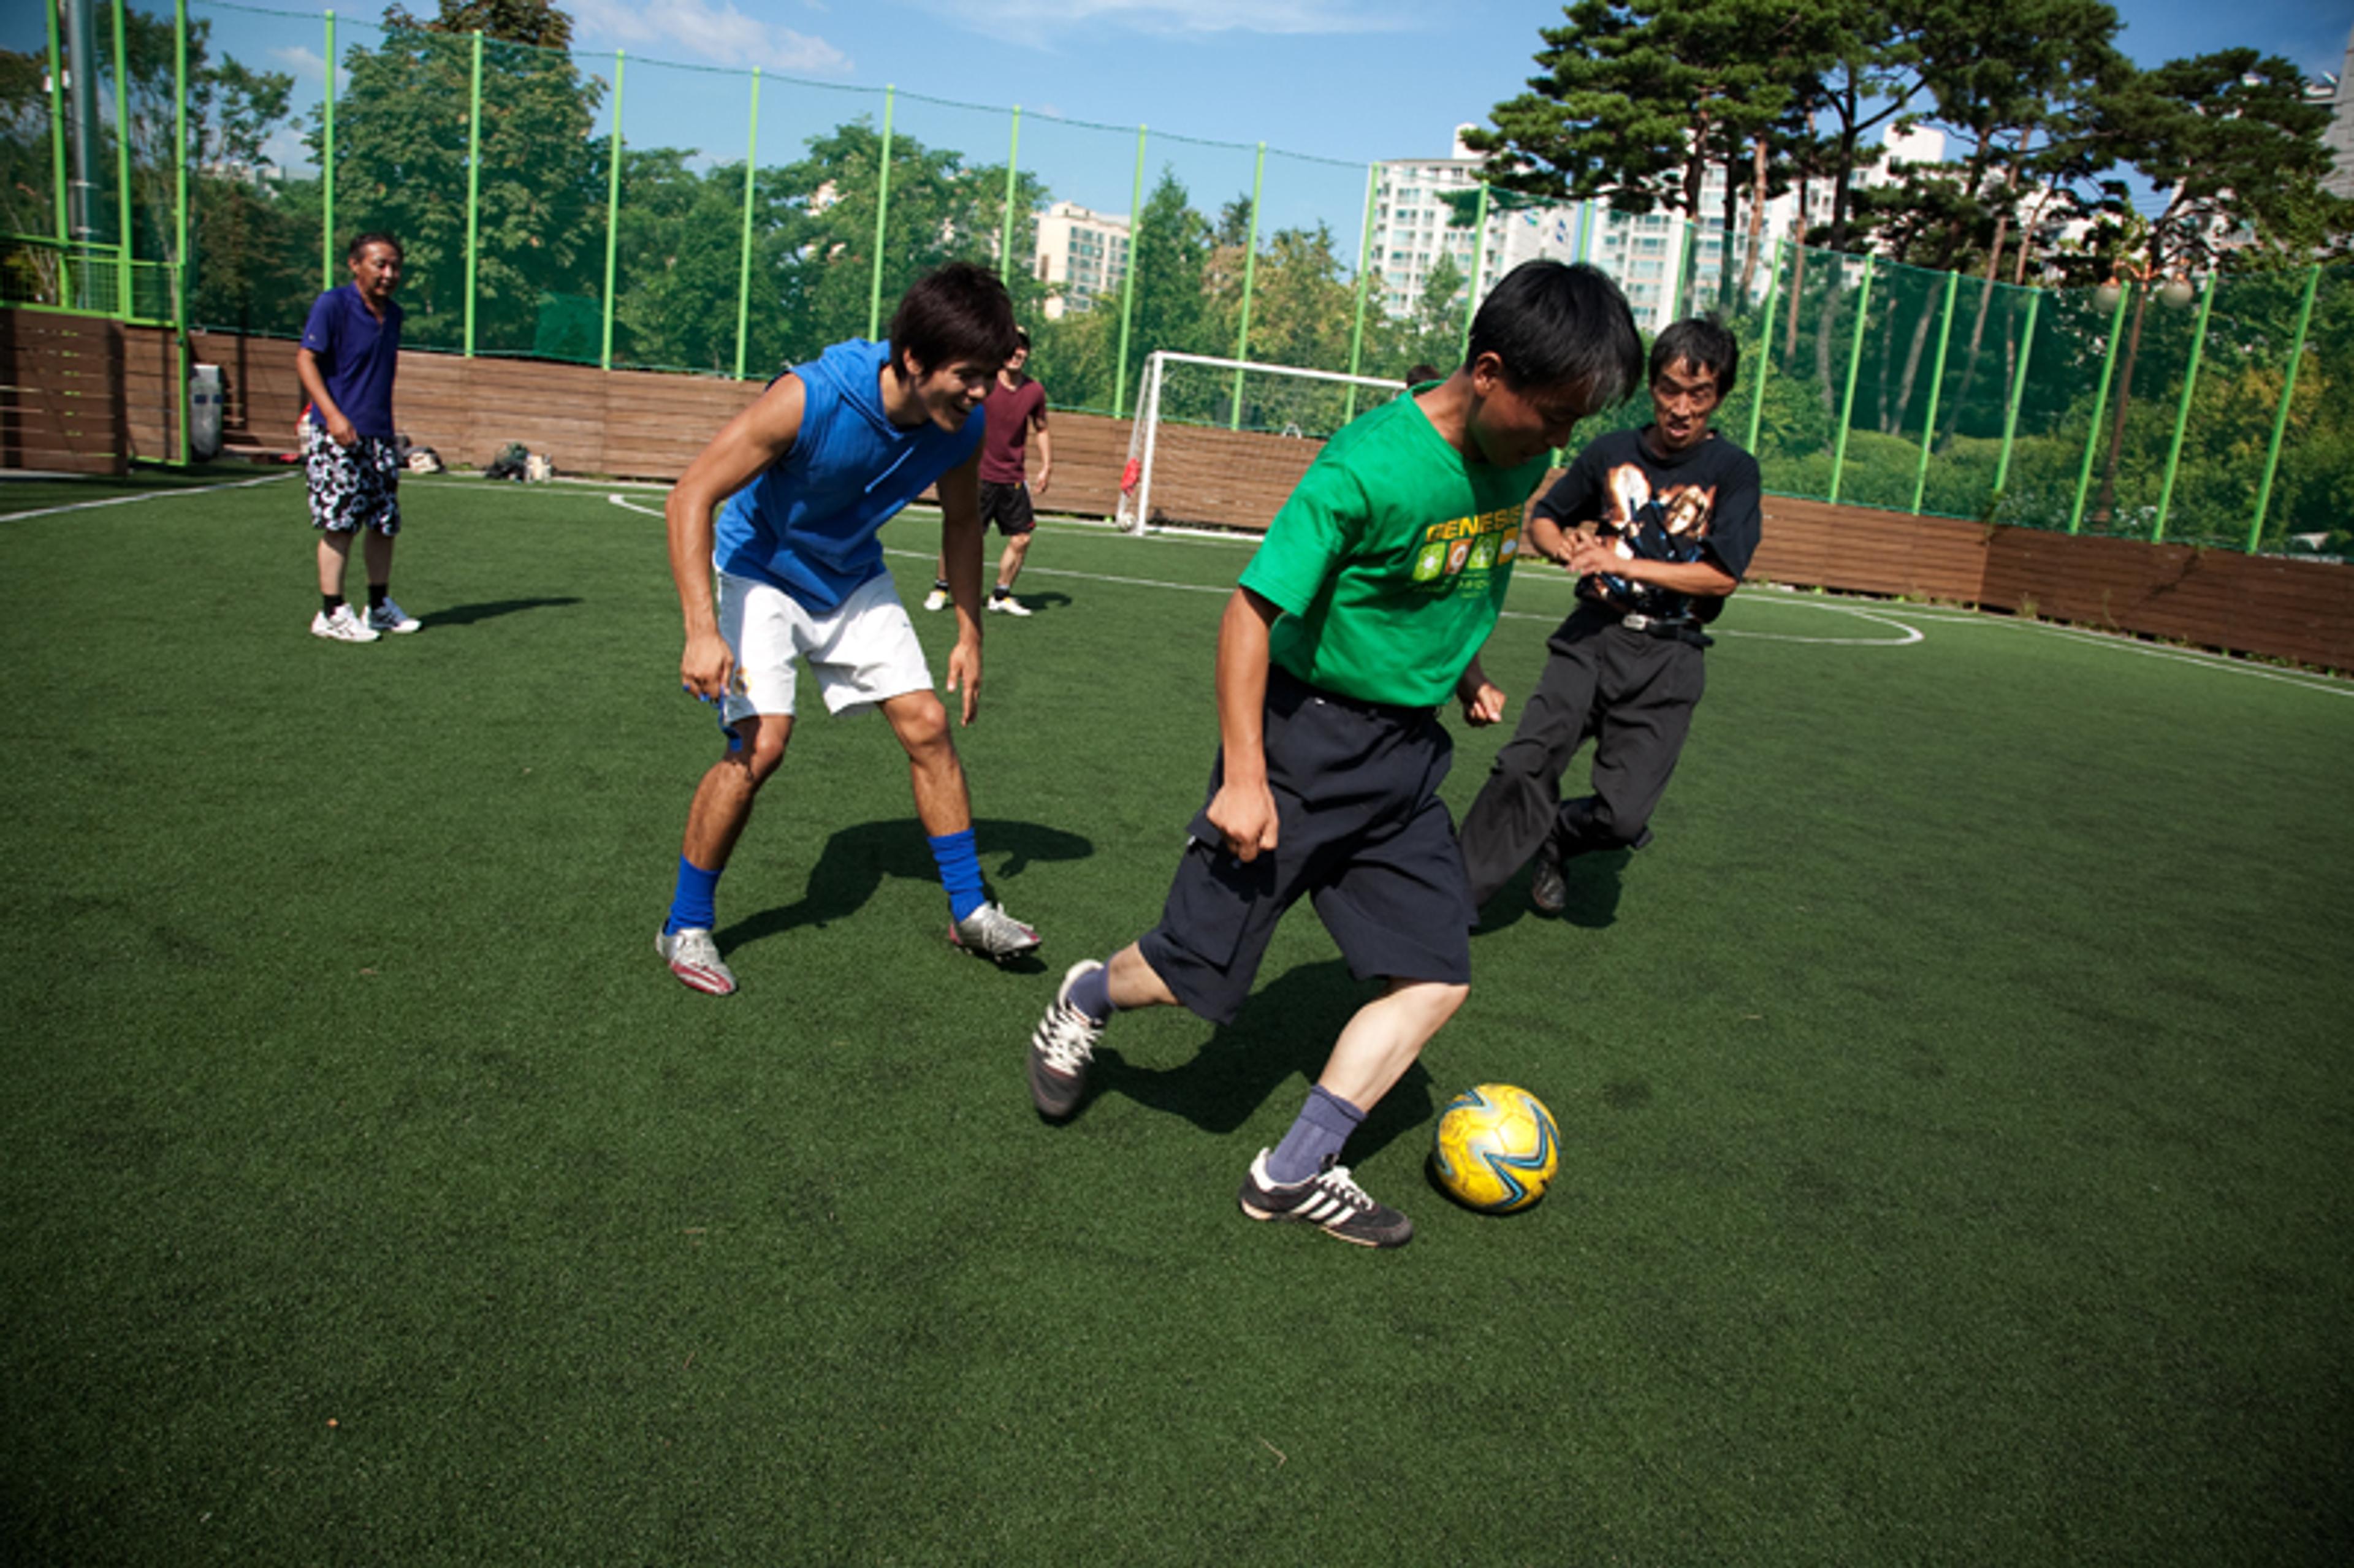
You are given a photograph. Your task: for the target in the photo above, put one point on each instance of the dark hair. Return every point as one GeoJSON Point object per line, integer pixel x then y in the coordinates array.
{"type": "Point", "coordinates": [1556, 325]}
{"type": "Point", "coordinates": [959, 312]}
{"type": "Point", "coordinates": [360, 242]}
{"type": "Point", "coordinates": [1704, 341]}
{"type": "Point", "coordinates": [1422, 373]}
{"type": "Point", "coordinates": [1022, 337]}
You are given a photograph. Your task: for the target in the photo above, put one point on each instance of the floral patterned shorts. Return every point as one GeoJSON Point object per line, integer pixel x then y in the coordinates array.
{"type": "Point", "coordinates": [351, 487]}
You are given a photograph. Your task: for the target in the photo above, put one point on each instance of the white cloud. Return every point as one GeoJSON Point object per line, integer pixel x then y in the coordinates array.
{"type": "Point", "coordinates": [285, 148]}
{"type": "Point", "coordinates": [305, 64]}
{"type": "Point", "coordinates": [1002, 16]}
{"type": "Point", "coordinates": [704, 29]}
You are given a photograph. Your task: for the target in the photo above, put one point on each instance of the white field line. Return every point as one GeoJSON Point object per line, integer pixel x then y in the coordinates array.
{"type": "Point", "coordinates": [147, 496]}
{"type": "Point", "coordinates": [1909, 628]}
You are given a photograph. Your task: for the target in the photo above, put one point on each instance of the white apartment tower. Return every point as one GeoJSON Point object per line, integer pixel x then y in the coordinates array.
{"type": "Point", "coordinates": [1645, 254]}
{"type": "Point", "coordinates": [1082, 256]}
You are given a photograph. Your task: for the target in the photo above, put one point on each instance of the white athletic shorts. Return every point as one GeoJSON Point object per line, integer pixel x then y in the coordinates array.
{"type": "Point", "coordinates": [863, 653]}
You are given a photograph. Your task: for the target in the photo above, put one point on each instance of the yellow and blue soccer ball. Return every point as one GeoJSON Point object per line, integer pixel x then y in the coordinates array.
{"type": "Point", "coordinates": [1495, 1149]}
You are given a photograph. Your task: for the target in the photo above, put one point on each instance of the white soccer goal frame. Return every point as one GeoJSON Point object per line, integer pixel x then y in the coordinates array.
{"type": "Point", "coordinates": [1134, 511]}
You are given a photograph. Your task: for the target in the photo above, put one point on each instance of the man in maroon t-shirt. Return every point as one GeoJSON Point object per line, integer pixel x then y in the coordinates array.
{"type": "Point", "coordinates": [1016, 406]}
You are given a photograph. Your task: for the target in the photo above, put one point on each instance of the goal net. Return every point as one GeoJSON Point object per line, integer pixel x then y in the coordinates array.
{"type": "Point", "coordinates": [1220, 442]}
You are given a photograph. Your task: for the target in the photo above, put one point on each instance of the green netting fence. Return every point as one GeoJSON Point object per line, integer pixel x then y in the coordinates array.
{"type": "Point", "coordinates": [598, 208]}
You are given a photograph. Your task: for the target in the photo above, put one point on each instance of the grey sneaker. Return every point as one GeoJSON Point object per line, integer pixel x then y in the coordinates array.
{"type": "Point", "coordinates": [936, 600]}
{"type": "Point", "coordinates": [993, 934]}
{"type": "Point", "coordinates": [1547, 889]}
{"type": "Point", "coordinates": [341, 627]}
{"type": "Point", "coordinates": [389, 617]}
{"type": "Point", "coordinates": [694, 958]}
{"type": "Point", "coordinates": [1061, 1048]}
{"type": "Point", "coordinates": [1329, 1200]}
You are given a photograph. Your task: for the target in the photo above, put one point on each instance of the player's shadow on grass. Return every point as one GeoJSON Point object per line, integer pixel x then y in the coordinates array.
{"type": "Point", "coordinates": [852, 866]}
{"type": "Point", "coordinates": [1276, 1047]}
{"type": "Point", "coordinates": [468, 614]}
{"type": "Point", "coordinates": [1047, 598]}
{"type": "Point", "coordinates": [1594, 886]}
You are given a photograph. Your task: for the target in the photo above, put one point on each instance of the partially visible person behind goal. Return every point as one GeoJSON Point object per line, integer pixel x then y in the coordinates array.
{"type": "Point", "coordinates": [351, 458]}
{"type": "Point", "coordinates": [1016, 406]}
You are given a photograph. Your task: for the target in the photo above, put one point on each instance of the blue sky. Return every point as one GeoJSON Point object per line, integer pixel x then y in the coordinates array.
{"type": "Point", "coordinates": [1327, 84]}
{"type": "Point", "coordinates": [1349, 79]}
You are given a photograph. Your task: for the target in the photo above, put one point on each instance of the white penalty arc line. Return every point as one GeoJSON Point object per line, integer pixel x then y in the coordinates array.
{"type": "Point", "coordinates": [1909, 635]}
{"type": "Point", "coordinates": [2125, 643]}
{"type": "Point", "coordinates": [145, 495]}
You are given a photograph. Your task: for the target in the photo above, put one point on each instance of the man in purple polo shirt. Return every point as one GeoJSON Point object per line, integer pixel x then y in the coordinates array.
{"type": "Point", "coordinates": [351, 348]}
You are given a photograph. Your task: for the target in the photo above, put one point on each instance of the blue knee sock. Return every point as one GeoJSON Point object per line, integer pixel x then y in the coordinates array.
{"type": "Point", "coordinates": [959, 866]}
{"type": "Point", "coordinates": [1324, 1125]}
{"type": "Point", "coordinates": [692, 906]}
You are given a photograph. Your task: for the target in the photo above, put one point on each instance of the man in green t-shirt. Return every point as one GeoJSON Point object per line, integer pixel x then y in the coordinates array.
{"type": "Point", "coordinates": [1362, 612]}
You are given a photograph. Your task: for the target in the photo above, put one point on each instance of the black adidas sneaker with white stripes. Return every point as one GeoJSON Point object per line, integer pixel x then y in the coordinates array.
{"type": "Point", "coordinates": [1331, 1200]}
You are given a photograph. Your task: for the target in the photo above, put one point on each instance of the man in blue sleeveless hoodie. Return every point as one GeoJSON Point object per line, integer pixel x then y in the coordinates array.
{"type": "Point", "coordinates": [808, 476]}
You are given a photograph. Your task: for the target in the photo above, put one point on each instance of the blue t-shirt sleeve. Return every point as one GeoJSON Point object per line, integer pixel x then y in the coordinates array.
{"type": "Point", "coordinates": [319, 332]}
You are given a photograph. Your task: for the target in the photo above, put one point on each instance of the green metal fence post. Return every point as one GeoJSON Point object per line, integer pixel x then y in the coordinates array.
{"type": "Point", "coordinates": [1854, 363]}
{"type": "Point", "coordinates": [1937, 383]}
{"type": "Point", "coordinates": [882, 212]}
{"type": "Point", "coordinates": [1128, 281]}
{"type": "Point", "coordinates": [612, 210]}
{"type": "Point", "coordinates": [1250, 278]}
{"type": "Point", "coordinates": [2100, 409]}
{"type": "Point", "coordinates": [1478, 260]}
{"type": "Point", "coordinates": [2280, 418]}
{"type": "Point", "coordinates": [2182, 412]}
{"type": "Point", "coordinates": [1683, 256]}
{"type": "Point", "coordinates": [744, 255]}
{"type": "Point", "coordinates": [57, 130]}
{"type": "Point", "coordinates": [122, 251]}
{"type": "Point", "coordinates": [1005, 237]}
{"type": "Point", "coordinates": [1365, 279]}
{"type": "Point", "coordinates": [1585, 227]}
{"type": "Point", "coordinates": [2018, 394]}
{"type": "Point", "coordinates": [473, 184]}
{"type": "Point", "coordinates": [327, 168]}
{"type": "Point", "coordinates": [1765, 347]}
{"type": "Point", "coordinates": [180, 215]}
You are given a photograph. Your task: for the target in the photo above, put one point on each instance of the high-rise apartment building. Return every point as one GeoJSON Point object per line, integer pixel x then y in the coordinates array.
{"type": "Point", "coordinates": [1649, 254]}
{"type": "Point", "coordinates": [1082, 255]}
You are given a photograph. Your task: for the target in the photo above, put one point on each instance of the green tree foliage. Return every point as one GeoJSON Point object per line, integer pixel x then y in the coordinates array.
{"type": "Point", "coordinates": [1638, 96]}
{"type": "Point", "coordinates": [401, 140]}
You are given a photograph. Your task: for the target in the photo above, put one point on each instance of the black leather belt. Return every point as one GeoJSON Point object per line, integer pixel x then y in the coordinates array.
{"type": "Point", "coordinates": [1677, 630]}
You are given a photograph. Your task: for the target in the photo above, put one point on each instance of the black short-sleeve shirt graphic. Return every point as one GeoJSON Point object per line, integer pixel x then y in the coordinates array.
{"type": "Point", "coordinates": [1696, 504]}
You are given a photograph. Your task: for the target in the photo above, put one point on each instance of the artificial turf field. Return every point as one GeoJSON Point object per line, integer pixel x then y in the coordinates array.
{"type": "Point", "coordinates": [1957, 1111]}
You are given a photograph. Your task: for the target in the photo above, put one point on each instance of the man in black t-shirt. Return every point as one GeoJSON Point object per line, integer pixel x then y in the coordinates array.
{"type": "Point", "coordinates": [1659, 525]}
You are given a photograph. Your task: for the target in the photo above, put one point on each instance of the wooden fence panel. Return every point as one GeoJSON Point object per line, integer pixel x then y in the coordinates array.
{"type": "Point", "coordinates": [1089, 451]}
{"type": "Point", "coordinates": [649, 425]}
{"type": "Point", "coordinates": [2215, 598]}
{"type": "Point", "coordinates": [150, 394]}
{"type": "Point", "coordinates": [1862, 550]}
{"type": "Point", "coordinates": [61, 394]}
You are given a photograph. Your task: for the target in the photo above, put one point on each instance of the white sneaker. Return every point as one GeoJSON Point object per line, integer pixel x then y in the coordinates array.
{"type": "Point", "coordinates": [993, 934]}
{"type": "Point", "coordinates": [694, 958]}
{"type": "Point", "coordinates": [1006, 604]}
{"type": "Point", "coordinates": [936, 600]}
{"type": "Point", "coordinates": [390, 616]}
{"type": "Point", "coordinates": [1061, 1048]}
{"type": "Point", "coordinates": [341, 627]}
